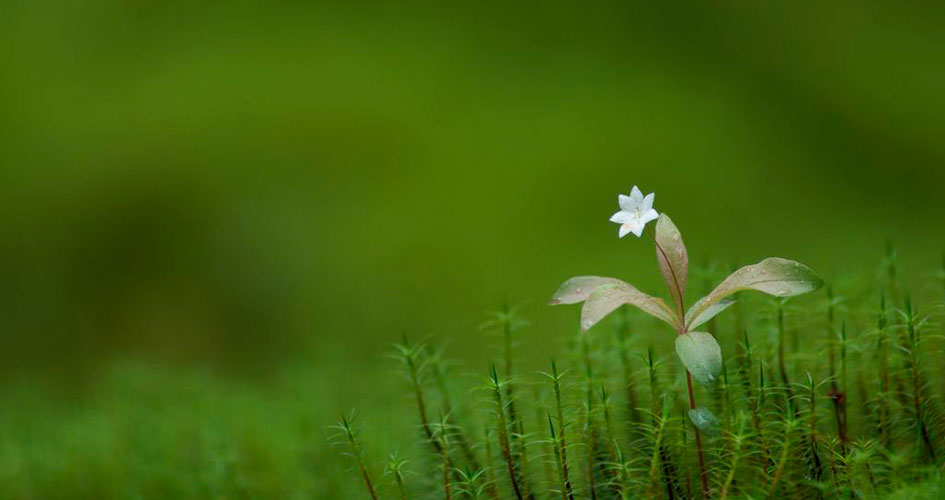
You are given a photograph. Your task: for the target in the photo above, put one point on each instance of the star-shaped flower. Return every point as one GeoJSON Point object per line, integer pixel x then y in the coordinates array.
{"type": "Point", "coordinates": [635, 211]}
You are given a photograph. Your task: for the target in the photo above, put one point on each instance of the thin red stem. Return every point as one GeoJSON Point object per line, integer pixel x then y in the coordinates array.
{"type": "Point", "coordinates": [692, 406]}
{"type": "Point", "coordinates": [680, 307]}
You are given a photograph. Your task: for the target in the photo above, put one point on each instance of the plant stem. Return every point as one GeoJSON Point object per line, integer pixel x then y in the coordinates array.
{"type": "Point", "coordinates": [367, 479]}
{"type": "Point", "coordinates": [681, 312]}
{"type": "Point", "coordinates": [447, 489]}
{"type": "Point", "coordinates": [611, 440]}
{"type": "Point", "coordinates": [917, 384]}
{"type": "Point", "coordinates": [789, 392]}
{"type": "Point", "coordinates": [883, 413]}
{"type": "Point", "coordinates": [562, 473]}
{"type": "Point", "coordinates": [517, 446]}
{"type": "Point", "coordinates": [659, 409]}
{"type": "Point", "coordinates": [504, 434]}
{"type": "Point", "coordinates": [590, 429]}
{"type": "Point", "coordinates": [490, 471]}
{"type": "Point", "coordinates": [784, 459]}
{"type": "Point", "coordinates": [439, 377]}
{"type": "Point", "coordinates": [659, 421]}
{"type": "Point", "coordinates": [733, 466]}
{"type": "Point", "coordinates": [357, 452]}
{"type": "Point", "coordinates": [559, 410]}
{"type": "Point", "coordinates": [413, 370]}
{"type": "Point", "coordinates": [692, 406]}
{"type": "Point", "coordinates": [816, 465]}
{"type": "Point", "coordinates": [401, 488]}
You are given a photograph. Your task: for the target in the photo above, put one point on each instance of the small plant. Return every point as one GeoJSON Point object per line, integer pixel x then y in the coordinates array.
{"type": "Point", "coordinates": [348, 436]}
{"type": "Point", "coordinates": [699, 352]}
{"type": "Point", "coordinates": [860, 418]}
{"type": "Point", "coordinates": [396, 468]}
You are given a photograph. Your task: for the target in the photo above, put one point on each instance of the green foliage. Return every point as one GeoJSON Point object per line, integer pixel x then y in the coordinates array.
{"type": "Point", "coordinates": [841, 433]}
{"type": "Point", "coordinates": [701, 355]}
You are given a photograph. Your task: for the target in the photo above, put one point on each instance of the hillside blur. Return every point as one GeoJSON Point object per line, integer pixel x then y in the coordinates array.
{"type": "Point", "coordinates": [240, 186]}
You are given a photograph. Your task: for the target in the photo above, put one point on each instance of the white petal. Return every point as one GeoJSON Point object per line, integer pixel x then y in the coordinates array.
{"type": "Point", "coordinates": [624, 230]}
{"type": "Point", "coordinates": [637, 229]}
{"type": "Point", "coordinates": [649, 215]}
{"type": "Point", "coordinates": [625, 202]}
{"type": "Point", "coordinates": [647, 202]}
{"type": "Point", "coordinates": [636, 194]}
{"type": "Point", "coordinates": [621, 217]}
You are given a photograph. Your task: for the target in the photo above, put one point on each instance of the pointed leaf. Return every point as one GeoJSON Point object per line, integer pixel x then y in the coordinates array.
{"type": "Point", "coordinates": [774, 276]}
{"type": "Point", "coordinates": [672, 256]}
{"type": "Point", "coordinates": [701, 355]}
{"type": "Point", "coordinates": [607, 298]}
{"type": "Point", "coordinates": [707, 313]}
{"type": "Point", "coordinates": [704, 420]}
{"type": "Point", "coordinates": [579, 288]}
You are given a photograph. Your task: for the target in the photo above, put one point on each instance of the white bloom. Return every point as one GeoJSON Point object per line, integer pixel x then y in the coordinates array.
{"type": "Point", "coordinates": [635, 211]}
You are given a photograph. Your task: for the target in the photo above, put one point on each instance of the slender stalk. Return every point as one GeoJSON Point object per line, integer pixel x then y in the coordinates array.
{"type": "Point", "coordinates": [834, 393]}
{"type": "Point", "coordinates": [844, 435]}
{"type": "Point", "coordinates": [439, 378]}
{"type": "Point", "coordinates": [736, 454]}
{"type": "Point", "coordinates": [757, 408]}
{"type": "Point", "coordinates": [611, 441]}
{"type": "Point", "coordinates": [681, 330]}
{"type": "Point", "coordinates": [562, 426]}
{"type": "Point", "coordinates": [490, 469]}
{"type": "Point", "coordinates": [659, 422]}
{"type": "Point", "coordinates": [445, 463]}
{"type": "Point", "coordinates": [685, 445]}
{"type": "Point", "coordinates": [662, 460]}
{"type": "Point", "coordinates": [518, 447]}
{"type": "Point", "coordinates": [702, 470]}
{"type": "Point", "coordinates": [917, 385]}
{"type": "Point", "coordinates": [789, 391]}
{"type": "Point", "coordinates": [409, 358]}
{"type": "Point", "coordinates": [401, 489]}
{"type": "Point", "coordinates": [504, 434]}
{"type": "Point", "coordinates": [357, 452]}
{"type": "Point", "coordinates": [564, 487]}
{"type": "Point", "coordinates": [590, 429]}
{"type": "Point", "coordinates": [882, 352]}
{"type": "Point", "coordinates": [395, 468]}
{"type": "Point", "coordinates": [837, 393]}
{"type": "Point", "coordinates": [754, 400]}
{"type": "Point", "coordinates": [786, 448]}
{"type": "Point", "coordinates": [816, 465]}
{"type": "Point", "coordinates": [624, 479]}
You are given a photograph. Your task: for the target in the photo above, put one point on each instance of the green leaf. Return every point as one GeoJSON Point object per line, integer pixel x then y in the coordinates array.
{"type": "Point", "coordinates": [707, 313]}
{"type": "Point", "coordinates": [704, 420]}
{"type": "Point", "coordinates": [673, 258]}
{"type": "Point", "coordinates": [701, 355]}
{"type": "Point", "coordinates": [608, 297]}
{"type": "Point", "coordinates": [774, 276]}
{"type": "Point", "coordinates": [579, 288]}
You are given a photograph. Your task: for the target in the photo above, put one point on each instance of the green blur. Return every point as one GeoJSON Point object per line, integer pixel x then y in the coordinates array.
{"type": "Point", "coordinates": [215, 217]}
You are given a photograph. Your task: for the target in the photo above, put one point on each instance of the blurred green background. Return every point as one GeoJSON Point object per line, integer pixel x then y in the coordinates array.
{"type": "Point", "coordinates": [215, 217]}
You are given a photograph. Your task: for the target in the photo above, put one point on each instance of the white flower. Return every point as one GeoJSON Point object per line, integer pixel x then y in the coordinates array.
{"type": "Point", "coordinates": [635, 211]}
